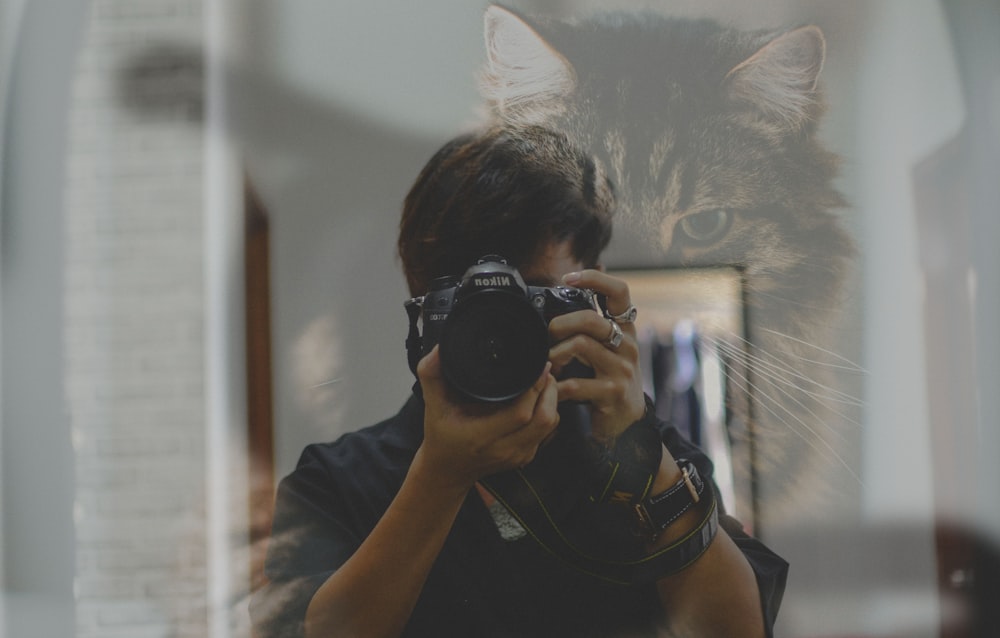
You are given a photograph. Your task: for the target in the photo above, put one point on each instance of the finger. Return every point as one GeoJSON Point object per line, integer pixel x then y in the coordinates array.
{"type": "Point", "coordinates": [524, 443]}
{"type": "Point", "coordinates": [545, 416]}
{"type": "Point", "coordinates": [585, 322]}
{"type": "Point", "coordinates": [604, 361]}
{"type": "Point", "coordinates": [521, 411]}
{"type": "Point", "coordinates": [613, 288]}
{"type": "Point", "coordinates": [597, 392]}
{"type": "Point", "coordinates": [586, 335]}
{"type": "Point", "coordinates": [429, 372]}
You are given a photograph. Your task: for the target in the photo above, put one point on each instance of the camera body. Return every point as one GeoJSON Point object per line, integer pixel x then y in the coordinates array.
{"type": "Point", "coordinates": [491, 327]}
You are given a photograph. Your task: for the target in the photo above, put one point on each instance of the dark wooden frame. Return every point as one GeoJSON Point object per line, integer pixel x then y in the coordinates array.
{"type": "Point", "coordinates": [260, 409]}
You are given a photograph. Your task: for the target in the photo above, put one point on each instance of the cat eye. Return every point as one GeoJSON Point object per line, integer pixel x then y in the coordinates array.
{"type": "Point", "coordinates": [707, 226]}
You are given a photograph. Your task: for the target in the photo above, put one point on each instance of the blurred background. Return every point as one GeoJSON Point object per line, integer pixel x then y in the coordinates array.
{"type": "Point", "coordinates": [199, 211]}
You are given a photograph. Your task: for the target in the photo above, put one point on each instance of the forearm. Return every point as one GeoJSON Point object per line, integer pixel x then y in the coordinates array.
{"type": "Point", "coordinates": [374, 592]}
{"type": "Point", "coordinates": [717, 595]}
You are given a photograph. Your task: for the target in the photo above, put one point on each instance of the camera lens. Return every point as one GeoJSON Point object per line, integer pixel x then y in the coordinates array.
{"type": "Point", "coordinates": [493, 346]}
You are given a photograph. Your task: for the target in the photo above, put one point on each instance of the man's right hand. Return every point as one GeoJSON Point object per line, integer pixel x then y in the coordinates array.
{"type": "Point", "coordinates": [374, 592]}
{"type": "Point", "coordinates": [464, 442]}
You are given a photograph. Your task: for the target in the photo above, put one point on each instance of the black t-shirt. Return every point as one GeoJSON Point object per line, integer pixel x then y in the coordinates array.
{"type": "Point", "coordinates": [480, 585]}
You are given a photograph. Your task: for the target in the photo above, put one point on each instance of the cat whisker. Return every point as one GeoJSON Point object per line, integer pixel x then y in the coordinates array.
{"type": "Point", "coordinates": [824, 449]}
{"type": "Point", "coordinates": [790, 369]}
{"type": "Point", "coordinates": [772, 390]}
{"type": "Point", "coordinates": [850, 365]}
{"type": "Point", "coordinates": [787, 300]}
{"type": "Point", "coordinates": [852, 368]}
{"type": "Point", "coordinates": [777, 374]}
{"type": "Point", "coordinates": [777, 386]}
{"type": "Point", "coordinates": [325, 383]}
{"type": "Point", "coordinates": [779, 369]}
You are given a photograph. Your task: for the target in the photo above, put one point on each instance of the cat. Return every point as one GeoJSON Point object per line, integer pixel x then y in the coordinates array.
{"type": "Point", "coordinates": [710, 135]}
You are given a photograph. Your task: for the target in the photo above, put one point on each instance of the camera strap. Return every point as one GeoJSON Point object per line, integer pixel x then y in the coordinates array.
{"type": "Point", "coordinates": [555, 503]}
{"type": "Point", "coordinates": [584, 537]}
{"type": "Point", "coordinates": [414, 343]}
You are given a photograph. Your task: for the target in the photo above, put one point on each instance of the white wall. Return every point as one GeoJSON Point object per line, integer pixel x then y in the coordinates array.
{"type": "Point", "coordinates": [37, 459]}
{"type": "Point", "coordinates": [120, 377]}
{"type": "Point", "coordinates": [340, 107]}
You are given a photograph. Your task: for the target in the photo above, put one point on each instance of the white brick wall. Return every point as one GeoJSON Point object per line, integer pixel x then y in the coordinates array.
{"type": "Point", "coordinates": [134, 336]}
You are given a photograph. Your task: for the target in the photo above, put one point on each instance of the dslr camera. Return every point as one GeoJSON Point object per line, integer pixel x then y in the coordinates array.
{"type": "Point", "coordinates": [492, 328]}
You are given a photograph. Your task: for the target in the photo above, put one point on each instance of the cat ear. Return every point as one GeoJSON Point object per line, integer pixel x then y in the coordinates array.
{"type": "Point", "coordinates": [525, 79]}
{"type": "Point", "coordinates": [780, 78]}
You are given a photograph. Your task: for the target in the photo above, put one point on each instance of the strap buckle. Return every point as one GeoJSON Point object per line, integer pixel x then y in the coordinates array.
{"type": "Point", "coordinates": [695, 497]}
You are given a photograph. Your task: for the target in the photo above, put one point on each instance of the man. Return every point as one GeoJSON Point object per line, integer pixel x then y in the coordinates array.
{"type": "Point", "coordinates": [415, 526]}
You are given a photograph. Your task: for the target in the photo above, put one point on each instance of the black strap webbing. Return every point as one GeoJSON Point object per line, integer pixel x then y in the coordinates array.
{"type": "Point", "coordinates": [560, 534]}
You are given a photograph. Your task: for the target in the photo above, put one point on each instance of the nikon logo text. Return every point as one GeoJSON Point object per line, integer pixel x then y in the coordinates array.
{"type": "Point", "coordinates": [495, 280]}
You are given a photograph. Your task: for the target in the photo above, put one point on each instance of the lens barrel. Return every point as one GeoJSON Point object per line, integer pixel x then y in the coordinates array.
{"type": "Point", "coordinates": [494, 345]}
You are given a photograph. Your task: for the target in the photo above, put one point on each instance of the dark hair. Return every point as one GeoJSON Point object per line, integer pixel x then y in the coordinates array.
{"type": "Point", "coordinates": [504, 191]}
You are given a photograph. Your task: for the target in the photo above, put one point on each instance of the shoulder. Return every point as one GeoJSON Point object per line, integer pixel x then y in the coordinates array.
{"type": "Point", "coordinates": [385, 447]}
{"type": "Point", "coordinates": [325, 508]}
{"type": "Point", "coordinates": [340, 489]}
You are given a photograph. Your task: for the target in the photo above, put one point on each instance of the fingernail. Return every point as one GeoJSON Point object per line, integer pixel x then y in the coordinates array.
{"type": "Point", "coordinates": [571, 277]}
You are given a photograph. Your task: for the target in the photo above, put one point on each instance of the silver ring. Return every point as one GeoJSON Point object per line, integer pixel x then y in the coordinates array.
{"type": "Point", "coordinates": [626, 317]}
{"type": "Point", "coordinates": [615, 338]}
